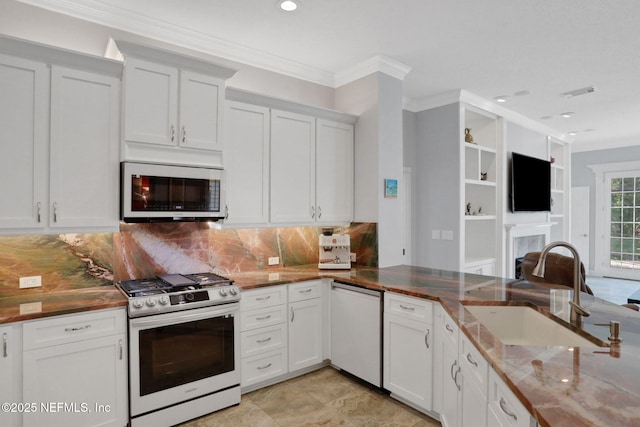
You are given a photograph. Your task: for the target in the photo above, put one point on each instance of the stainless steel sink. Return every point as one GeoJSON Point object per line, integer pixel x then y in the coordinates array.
{"type": "Point", "coordinates": [523, 325]}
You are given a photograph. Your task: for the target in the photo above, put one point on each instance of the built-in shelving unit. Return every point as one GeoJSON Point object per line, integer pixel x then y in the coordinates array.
{"type": "Point", "coordinates": [481, 166]}
{"type": "Point", "coordinates": [558, 155]}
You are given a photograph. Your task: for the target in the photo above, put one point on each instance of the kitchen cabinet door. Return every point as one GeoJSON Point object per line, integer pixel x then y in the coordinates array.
{"type": "Point", "coordinates": [305, 334]}
{"type": "Point", "coordinates": [246, 157]}
{"type": "Point", "coordinates": [85, 125]}
{"type": "Point", "coordinates": [24, 108]}
{"type": "Point", "coordinates": [81, 384]}
{"type": "Point", "coordinates": [150, 103]}
{"type": "Point", "coordinates": [201, 109]}
{"type": "Point", "coordinates": [408, 359]}
{"type": "Point", "coordinates": [334, 172]}
{"type": "Point", "coordinates": [8, 373]}
{"type": "Point", "coordinates": [292, 168]}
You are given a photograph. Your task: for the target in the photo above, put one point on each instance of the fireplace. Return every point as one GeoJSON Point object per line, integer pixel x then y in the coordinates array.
{"type": "Point", "coordinates": [522, 239]}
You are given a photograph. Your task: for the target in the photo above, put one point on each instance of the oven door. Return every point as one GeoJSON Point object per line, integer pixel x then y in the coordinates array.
{"type": "Point", "coordinates": [183, 355]}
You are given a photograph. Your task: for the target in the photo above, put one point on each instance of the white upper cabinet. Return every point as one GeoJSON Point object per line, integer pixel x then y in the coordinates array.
{"type": "Point", "coordinates": [334, 171]}
{"type": "Point", "coordinates": [60, 125]}
{"type": "Point", "coordinates": [173, 107]}
{"type": "Point", "coordinates": [84, 149]}
{"type": "Point", "coordinates": [292, 167]}
{"type": "Point", "coordinates": [246, 158]}
{"type": "Point", "coordinates": [24, 135]}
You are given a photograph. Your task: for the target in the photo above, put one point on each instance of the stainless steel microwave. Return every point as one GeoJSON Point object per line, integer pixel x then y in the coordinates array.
{"type": "Point", "coordinates": [156, 193]}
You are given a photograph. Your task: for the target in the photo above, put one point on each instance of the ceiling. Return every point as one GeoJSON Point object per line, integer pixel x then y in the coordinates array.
{"type": "Point", "coordinates": [490, 48]}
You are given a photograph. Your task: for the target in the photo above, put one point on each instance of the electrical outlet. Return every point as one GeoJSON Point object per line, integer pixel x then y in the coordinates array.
{"type": "Point", "coordinates": [30, 282]}
{"type": "Point", "coordinates": [274, 260]}
{"type": "Point", "coordinates": [31, 307]}
{"type": "Point", "coordinates": [353, 256]}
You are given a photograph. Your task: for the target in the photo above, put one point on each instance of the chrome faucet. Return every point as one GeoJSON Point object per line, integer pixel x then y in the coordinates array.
{"type": "Point", "coordinates": [577, 310]}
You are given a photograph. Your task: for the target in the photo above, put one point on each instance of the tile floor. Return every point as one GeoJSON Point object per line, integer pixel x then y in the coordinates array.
{"type": "Point", "coordinates": [326, 397]}
{"type": "Point", "coordinates": [614, 290]}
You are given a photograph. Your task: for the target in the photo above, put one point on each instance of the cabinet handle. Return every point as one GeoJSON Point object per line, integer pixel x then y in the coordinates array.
{"type": "Point", "coordinates": [79, 328]}
{"type": "Point", "coordinates": [455, 362]}
{"type": "Point", "coordinates": [268, 365]}
{"type": "Point", "coordinates": [455, 378]}
{"type": "Point", "coordinates": [263, 298]}
{"type": "Point", "coordinates": [38, 206]}
{"type": "Point", "coordinates": [404, 307]}
{"type": "Point", "coordinates": [293, 314]}
{"type": "Point", "coordinates": [173, 133]}
{"type": "Point", "coordinates": [426, 338]}
{"type": "Point", "coordinates": [319, 212]}
{"type": "Point", "coordinates": [305, 291]}
{"type": "Point", "coordinates": [4, 345]}
{"type": "Point", "coordinates": [268, 316]}
{"type": "Point", "coordinates": [448, 328]}
{"type": "Point", "coordinates": [184, 135]}
{"type": "Point", "coordinates": [121, 348]}
{"type": "Point", "coordinates": [313, 212]}
{"type": "Point", "coordinates": [262, 341]}
{"type": "Point", "coordinates": [470, 360]}
{"type": "Point", "coordinates": [55, 212]}
{"type": "Point", "coordinates": [226, 212]}
{"type": "Point", "coordinates": [503, 406]}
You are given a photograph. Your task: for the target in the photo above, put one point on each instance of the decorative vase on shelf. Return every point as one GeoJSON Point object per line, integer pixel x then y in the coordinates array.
{"type": "Point", "coordinates": [467, 136]}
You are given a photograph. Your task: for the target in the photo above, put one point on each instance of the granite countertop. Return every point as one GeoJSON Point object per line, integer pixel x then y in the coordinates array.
{"type": "Point", "coordinates": [559, 386]}
{"type": "Point", "coordinates": [45, 304]}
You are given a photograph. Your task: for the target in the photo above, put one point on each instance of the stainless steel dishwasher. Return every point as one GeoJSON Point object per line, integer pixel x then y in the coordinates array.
{"type": "Point", "coordinates": [356, 331]}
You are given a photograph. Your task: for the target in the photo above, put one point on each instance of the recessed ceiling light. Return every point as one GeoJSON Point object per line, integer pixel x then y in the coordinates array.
{"type": "Point", "coordinates": [501, 98]}
{"type": "Point", "coordinates": [578, 92]}
{"type": "Point", "coordinates": [567, 114]}
{"type": "Point", "coordinates": [573, 133]}
{"type": "Point", "coordinates": [288, 5]}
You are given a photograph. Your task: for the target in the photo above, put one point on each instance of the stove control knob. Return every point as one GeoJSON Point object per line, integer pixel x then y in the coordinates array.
{"type": "Point", "coordinates": [189, 297]}
{"type": "Point", "coordinates": [137, 303]}
{"type": "Point", "coordinates": [233, 291]}
{"type": "Point", "coordinates": [223, 292]}
{"type": "Point", "coordinates": [151, 302]}
{"type": "Point", "coordinates": [164, 300]}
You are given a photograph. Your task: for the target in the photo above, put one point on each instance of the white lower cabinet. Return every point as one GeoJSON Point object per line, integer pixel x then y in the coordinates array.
{"type": "Point", "coordinates": [75, 370]}
{"type": "Point", "coordinates": [305, 324]}
{"type": "Point", "coordinates": [505, 410]}
{"type": "Point", "coordinates": [474, 377]}
{"type": "Point", "coordinates": [8, 373]}
{"type": "Point", "coordinates": [263, 334]}
{"type": "Point", "coordinates": [408, 349]}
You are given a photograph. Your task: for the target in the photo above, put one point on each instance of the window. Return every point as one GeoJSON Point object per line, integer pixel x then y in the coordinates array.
{"type": "Point", "coordinates": [624, 234]}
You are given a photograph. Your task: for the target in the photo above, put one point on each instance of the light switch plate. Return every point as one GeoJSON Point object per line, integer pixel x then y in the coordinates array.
{"type": "Point", "coordinates": [435, 234]}
{"type": "Point", "coordinates": [447, 235]}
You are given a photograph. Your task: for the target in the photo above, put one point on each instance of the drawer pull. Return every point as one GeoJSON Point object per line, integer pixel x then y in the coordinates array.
{"type": "Point", "coordinates": [4, 345]}
{"type": "Point", "coordinates": [263, 298]}
{"type": "Point", "coordinates": [448, 328]}
{"type": "Point", "coordinates": [268, 365]}
{"type": "Point", "coordinates": [503, 406]}
{"type": "Point", "coordinates": [267, 317]}
{"type": "Point", "coordinates": [121, 348]}
{"type": "Point", "coordinates": [79, 328]}
{"type": "Point", "coordinates": [262, 341]}
{"type": "Point", "coordinates": [426, 338]}
{"type": "Point", "coordinates": [470, 360]}
{"type": "Point", "coordinates": [305, 291]}
{"type": "Point", "coordinates": [404, 307]}
{"type": "Point", "coordinates": [293, 314]}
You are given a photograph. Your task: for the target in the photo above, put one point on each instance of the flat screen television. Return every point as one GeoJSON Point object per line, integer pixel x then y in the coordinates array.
{"type": "Point", "coordinates": [530, 184]}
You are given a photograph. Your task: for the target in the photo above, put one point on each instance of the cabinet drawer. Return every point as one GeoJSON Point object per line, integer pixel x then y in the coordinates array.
{"type": "Point", "coordinates": [305, 290]}
{"type": "Point", "coordinates": [262, 317]}
{"type": "Point", "coordinates": [473, 364]}
{"type": "Point", "coordinates": [447, 327]}
{"type": "Point", "coordinates": [263, 339]}
{"type": "Point", "coordinates": [264, 366]}
{"type": "Point", "coordinates": [263, 297]}
{"type": "Point", "coordinates": [77, 327]}
{"type": "Point", "coordinates": [410, 308]}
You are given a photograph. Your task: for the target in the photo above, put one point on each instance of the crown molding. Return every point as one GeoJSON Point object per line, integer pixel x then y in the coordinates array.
{"type": "Point", "coordinates": [378, 63]}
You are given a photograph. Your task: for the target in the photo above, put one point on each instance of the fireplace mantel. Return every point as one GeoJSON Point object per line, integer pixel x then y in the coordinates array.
{"type": "Point", "coordinates": [539, 232]}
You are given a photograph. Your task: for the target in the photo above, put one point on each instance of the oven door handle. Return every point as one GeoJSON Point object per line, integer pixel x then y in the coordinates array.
{"type": "Point", "coordinates": [181, 317]}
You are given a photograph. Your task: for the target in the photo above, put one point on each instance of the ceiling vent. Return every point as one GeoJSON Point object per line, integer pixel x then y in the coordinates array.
{"type": "Point", "coordinates": [578, 92]}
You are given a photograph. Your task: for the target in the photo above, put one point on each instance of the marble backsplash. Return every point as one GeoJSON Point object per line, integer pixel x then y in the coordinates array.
{"type": "Point", "coordinates": [71, 261]}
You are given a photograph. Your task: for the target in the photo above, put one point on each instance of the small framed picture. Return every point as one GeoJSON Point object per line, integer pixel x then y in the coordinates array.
{"type": "Point", "coordinates": [391, 188]}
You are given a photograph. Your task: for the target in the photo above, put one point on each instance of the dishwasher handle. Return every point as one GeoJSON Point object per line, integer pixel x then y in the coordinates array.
{"type": "Point", "coordinates": [354, 288]}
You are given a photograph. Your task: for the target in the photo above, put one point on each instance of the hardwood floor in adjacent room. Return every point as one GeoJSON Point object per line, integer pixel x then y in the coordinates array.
{"type": "Point", "coordinates": [325, 397]}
